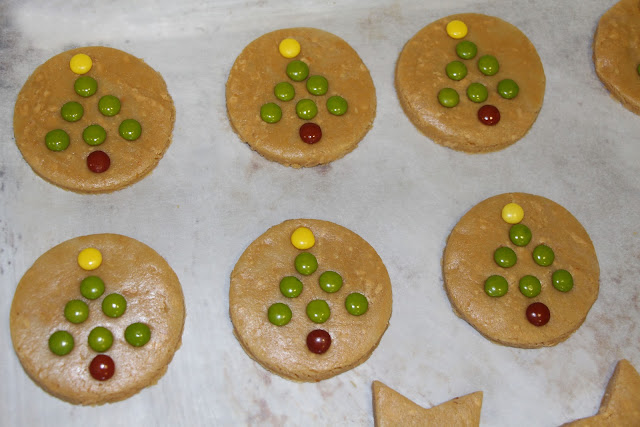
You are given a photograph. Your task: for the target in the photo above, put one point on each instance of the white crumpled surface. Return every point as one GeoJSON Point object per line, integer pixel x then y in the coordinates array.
{"type": "Point", "coordinates": [210, 196]}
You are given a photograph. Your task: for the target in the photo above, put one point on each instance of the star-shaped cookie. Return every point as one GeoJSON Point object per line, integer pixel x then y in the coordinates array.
{"type": "Point", "coordinates": [620, 405]}
{"type": "Point", "coordinates": [390, 408]}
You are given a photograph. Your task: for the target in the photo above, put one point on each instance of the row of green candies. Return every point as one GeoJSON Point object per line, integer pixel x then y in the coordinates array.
{"type": "Point", "coordinates": [108, 105]}
{"type": "Point", "coordinates": [318, 311]}
{"type": "Point", "coordinates": [306, 109]}
{"type": "Point", "coordinates": [476, 92]}
{"type": "Point", "coordinates": [100, 339]}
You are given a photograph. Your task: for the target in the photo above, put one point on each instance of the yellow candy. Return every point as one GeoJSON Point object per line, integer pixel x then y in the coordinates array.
{"type": "Point", "coordinates": [457, 29]}
{"type": "Point", "coordinates": [80, 63]}
{"type": "Point", "coordinates": [512, 213]}
{"type": "Point", "coordinates": [303, 238]}
{"type": "Point", "coordinates": [89, 259]}
{"type": "Point", "coordinates": [289, 48]}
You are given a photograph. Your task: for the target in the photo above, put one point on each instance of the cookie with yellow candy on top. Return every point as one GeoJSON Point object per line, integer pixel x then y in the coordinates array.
{"type": "Point", "coordinates": [300, 96]}
{"type": "Point", "coordinates": [309, 299]}
{"type": "Point", "coordinates": [105, 123]}
{"type": "Point", "coordinates": [470, 82]}
{"type": "Point", "coordinates": [97, 318]}
{"type": "Point", "coordinates": [521, 270]}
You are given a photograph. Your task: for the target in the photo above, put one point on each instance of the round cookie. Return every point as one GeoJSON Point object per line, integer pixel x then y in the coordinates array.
{"type": "Point", "coordinates": [616, 52]}
{"type": "Point", "coordinates": [421, 75]}
{"type": "Point", "coordinates": [143, 97]}
{"type": "Point", "coordinates": [261, 66]}
{"type": "Point", "coordinates": [255, 287]}
{"type": "Point", "coordinates": [152, 296]}
{"type": "Point", "coordinates": [468, 262]}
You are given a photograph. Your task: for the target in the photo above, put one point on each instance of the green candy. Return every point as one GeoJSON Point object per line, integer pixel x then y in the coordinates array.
{"type": "Point", "coordinates": [488, 65]}
{"type": "Point", "coordinates": [61, 343]}
{"type": "Point", "coordinates": [85, 86]}
{"type": "Point", "coordinates": [317, 85]}
{"type": "Point", "coordinates": [477, 92]}
{"type": "Point", "coordinates": [356, 304]}
{"type": "Point", "coordinates": [318, 311]}
{"type": "Point", "coordinates": [130, 129]}
{"type": "Point", "coordinates": [109, 105]}
{"type": "Point", "coordinates": [284, 91]}
{"type": "Point", "coordinates": [72, 111]}
{"type": "Point", "coordinates": [94, 135]}
{"type": "Point", "coordinates": [137, 334]}
{"type": "Point", "coordinates": [508, 89]}
{"type": "Point", "coordinates": [505, 257]}
{"type": "Point", "coordinates": [337, 105]}
{"type": "Point", "coordinates": [496, 286]}
{"type": "Point", "coordinates": [297, 70]}
{"type": "Point", "coordinates": [114, 305]}
{"type": "Point", "coordinates": [306, 109]}
{"type": "Point", "coordinates": [639, 69]}
{"type": "Point", "coordinates": [530, 286]}
{"type": "Point", "coordinates": [279, 314]}
{"type": "Point", "coordinates": [466, 49]}
{"type": "Point", "coordinates": [57, 140]}
{"type": "Point", "coordinates": [448, 97]}
{"type": "Point", "coordinates": [100, 339]}
{"type": "Point", "coordinates": [76, 311]}
{"type": "Point", "coordinates": [330, 281]}
{"type": "Point", "coordinates": [306, 263]}
{"type": "Point", "coordinates": [92, 287]}
{"type": "Point", "coordinates": [520, 235]}
{"type": "Point", "coordinates": [543, 255]}
{"type": "Point", "coordinates": [290, 286]}
{"type": "Point", "coordinates": [562, 280]}
{"type": "Point", "coordinates": [270, 113]}
{"type": "Point", "coordinates": [456, 70]}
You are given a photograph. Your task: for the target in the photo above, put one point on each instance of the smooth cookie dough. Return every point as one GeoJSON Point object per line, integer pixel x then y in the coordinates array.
{"type": "Point", "coordinates": [421, 75]}
{"type": "Point", "coordinates": [255, 287]}
{"type": "Point", "coordinates": [390, 408]}
{"type": "Point", "coordinates": [261, 66]}
{"type": "Point", "coordinates": [143, 97]}
{"type": "Point", "coordinates": [620, 404]}
{"type": "Point", "coordinates": [152, 295]}
{"type": "Point", "coordinates": [616, 52]}
{"type": "Point", "coordinates": [470, 259]}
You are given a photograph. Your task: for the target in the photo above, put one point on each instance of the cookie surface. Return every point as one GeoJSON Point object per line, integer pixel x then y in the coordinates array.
{"type": "Point", "coordinates": [621, 401]}
{"type": "Point", "coordinates": [616, 52]}
{"type": "Point", "coordinates": [390, 408]}
{"type": "Point", "coordinates": [468, 262]}
{"type": "Point", "coordinates": [260, 67]}
{"type": "Point", "coordinates": [143, 97]}
{"type": "Point", "coordinates": [421, 75]}
{"type": "Point", "coordinates": [283, 349]}
{"type": "Point", "coordinates": [153, 296]}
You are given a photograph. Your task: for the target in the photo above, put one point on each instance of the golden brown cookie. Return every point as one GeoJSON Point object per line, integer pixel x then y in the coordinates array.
{"type": "Point", "coordinates": [81, 167]}
{"type": "Point", "coordinates": [421, 75]}
{"type": "Point", "coordinates": [43, 305]}
{"type": "Point", "coordinates": [390, 408]}
{"type": "Point", "coordinates": [261, 66]}
{"type": "Point", "coordinates": [621, 401]}
{"type": "Point", "coordinates": [546, 263]}
{"type": "Point", "coordinates": [616, 52]}
{"type": "Point", "coordinates": [351, 303]}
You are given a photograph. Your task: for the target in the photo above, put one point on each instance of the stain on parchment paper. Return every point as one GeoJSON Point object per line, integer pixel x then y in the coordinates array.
{"type": "Point", "coordinates": [375, 25]}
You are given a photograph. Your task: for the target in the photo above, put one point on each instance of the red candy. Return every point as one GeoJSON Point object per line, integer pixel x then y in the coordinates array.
{"type": "Point", "coordinates": [310, 133]}
{"type": "Point", "coordinates": [489, 115]}
{"type": "Point", "coordinates": [102, 367]}
{"type": "Point", "coordinates": [319, 341]}
{"type": "Point", "coordinates": [538, 314]}
{"type": "Point", "coordinates": [98, 161]}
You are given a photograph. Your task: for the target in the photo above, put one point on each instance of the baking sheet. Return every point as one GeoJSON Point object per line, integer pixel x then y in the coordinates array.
{"type": "Point", "coordinates": [210, 196]}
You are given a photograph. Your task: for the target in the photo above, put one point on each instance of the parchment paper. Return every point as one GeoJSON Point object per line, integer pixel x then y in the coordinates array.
{"type": "Point", "coordinates": [210, 196]}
